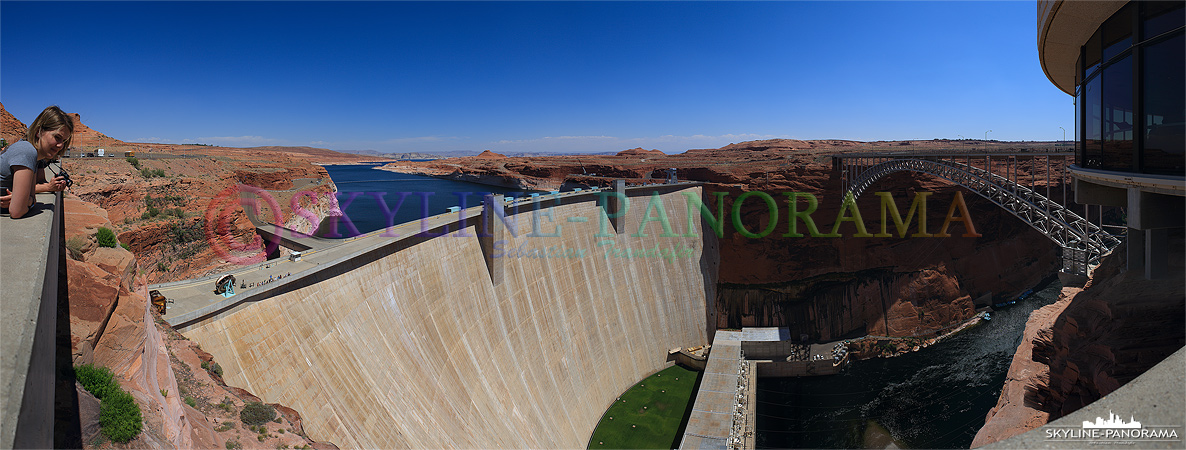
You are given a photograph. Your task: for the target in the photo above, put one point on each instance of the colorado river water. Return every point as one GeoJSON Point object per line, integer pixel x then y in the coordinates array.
{"type": "Point", "coordinates": [935, 398]}
{"type": "Point", "coordinates": [363, 182]}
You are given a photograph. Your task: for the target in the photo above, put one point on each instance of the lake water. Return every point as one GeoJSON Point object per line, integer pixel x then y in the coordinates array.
{"type": "Point", "coordinates": [935, 398]}
{"type": "Point", "coordinates": [361, 188]}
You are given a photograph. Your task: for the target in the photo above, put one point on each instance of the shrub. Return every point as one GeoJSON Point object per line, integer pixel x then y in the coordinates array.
{"type": "Point", "coordinates": [134, 162]}
{"type": "Point", "coordinates": [191, 402]}
{"type": "Point", "coordinates": [158, 173]}
{"type": "Point", "coordinates": [146, 173]}
{"type": "Point", "coordinates": [106, 237]}
{"type": "Point", "coordinates": [184, 233]}
{"type": "Point", "coordinates": [232, 445]}
{"type": "Point", "coordinates": [215, 369]}
{"type": "Point", "coordinates": [99, 381]}
{"type": "Point", "coordinates": [256, 413]}
{"type": "Point", "coordinates": [75, 245]}
{"type": "Point", "coordinates": [125, 246]}
{"type": "Point", "coordinates": [119, 416]}
{"type": "Point", "coordinates": [162, 267]}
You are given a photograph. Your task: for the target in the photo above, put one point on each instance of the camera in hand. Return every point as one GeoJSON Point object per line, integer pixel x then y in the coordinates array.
{"type": "Point", "coordinates": [66, 176]}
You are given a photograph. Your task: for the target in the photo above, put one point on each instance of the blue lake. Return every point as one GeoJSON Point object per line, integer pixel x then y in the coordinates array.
{"type": "Point", "coordinates": [373, 199]}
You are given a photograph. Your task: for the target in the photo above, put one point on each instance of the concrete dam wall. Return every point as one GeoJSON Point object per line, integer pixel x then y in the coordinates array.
{"type": "Point", "coordinates": [419, 348]}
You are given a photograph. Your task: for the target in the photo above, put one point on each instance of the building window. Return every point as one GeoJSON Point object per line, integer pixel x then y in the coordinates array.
{"type": "Point", "coordinates": [1131, 102]}
{"type": "Point", "coordinates": [1093, 142]}
{"type": "Point", "coordinates": [1117, 115]}
{"type": "Point", "coordinates": [1164, 75]}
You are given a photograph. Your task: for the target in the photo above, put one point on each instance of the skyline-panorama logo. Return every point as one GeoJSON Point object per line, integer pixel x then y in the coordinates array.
{"type": "Point", "coordinates": [1113, 430]}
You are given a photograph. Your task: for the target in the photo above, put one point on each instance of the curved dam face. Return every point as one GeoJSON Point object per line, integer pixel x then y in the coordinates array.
{"type": "Point", "coordinates": [419, 348]}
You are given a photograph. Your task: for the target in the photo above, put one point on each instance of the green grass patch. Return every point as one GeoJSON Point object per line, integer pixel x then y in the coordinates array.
{"type": "Point", "coordinates": [650, 414]}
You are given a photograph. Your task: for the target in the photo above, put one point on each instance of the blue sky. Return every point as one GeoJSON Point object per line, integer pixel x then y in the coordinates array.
{"type": "Point", "coordinates": [568, 76]}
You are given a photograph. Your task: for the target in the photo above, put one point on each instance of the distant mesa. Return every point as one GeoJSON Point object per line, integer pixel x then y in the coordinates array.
{"type": "Point", "coordinates": [490, 155]}
{"type": "Point", "coordinates": [638, 151]}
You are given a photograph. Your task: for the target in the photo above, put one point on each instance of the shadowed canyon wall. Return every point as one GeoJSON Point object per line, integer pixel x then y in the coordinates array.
{"type": "Point", "coordinates": [418, 348]}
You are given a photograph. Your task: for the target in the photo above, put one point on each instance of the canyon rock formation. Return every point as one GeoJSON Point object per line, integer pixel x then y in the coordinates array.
{"type": "Point", "coordinates": [1091, 342]}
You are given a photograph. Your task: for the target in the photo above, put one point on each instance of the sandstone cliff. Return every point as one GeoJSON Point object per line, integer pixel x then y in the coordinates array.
{"type": "Point", "coordinates": [11, 129]}
{"type": "Point", "coordinates": [112, 325]}
{"type": "Point", "coordinates": [1090, 343]}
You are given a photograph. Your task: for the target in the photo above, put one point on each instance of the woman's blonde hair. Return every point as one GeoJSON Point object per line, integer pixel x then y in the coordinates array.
{"type": "Point", "coordinates": [51, 118]}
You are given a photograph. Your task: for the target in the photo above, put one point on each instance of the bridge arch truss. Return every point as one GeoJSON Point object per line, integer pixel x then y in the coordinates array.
{"type": "Point", "coordinates": [1083, 243]}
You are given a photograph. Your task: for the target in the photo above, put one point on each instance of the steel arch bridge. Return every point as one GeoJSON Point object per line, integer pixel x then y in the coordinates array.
{"type": "Point", "coordinates": [1083, 243]}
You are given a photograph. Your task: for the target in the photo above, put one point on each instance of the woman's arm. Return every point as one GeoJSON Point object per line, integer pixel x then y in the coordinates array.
{"type": "Point", "coordinates": [23, 180]}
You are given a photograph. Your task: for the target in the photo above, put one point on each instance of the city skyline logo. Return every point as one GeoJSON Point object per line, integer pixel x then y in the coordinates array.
{"type": "Point", "coordinates": [1113, 430]}
{"type": "Point", "coordinates": [1113, 421]}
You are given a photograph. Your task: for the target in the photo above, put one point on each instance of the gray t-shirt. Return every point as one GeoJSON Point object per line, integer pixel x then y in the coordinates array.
{"type": "Point", "coordinates": [21, 153]}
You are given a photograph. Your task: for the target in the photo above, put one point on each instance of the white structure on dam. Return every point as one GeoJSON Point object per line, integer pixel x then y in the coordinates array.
{"type": "Point", "coordinates": [420, 348]}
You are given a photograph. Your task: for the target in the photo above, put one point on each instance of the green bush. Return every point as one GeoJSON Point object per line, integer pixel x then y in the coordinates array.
{"type": "Point", "coordinates": [256, 413]}
{"type": "Point", "coordinates": [106, 237]}
{"type": "Point", "coordinates": [191, 402]}
{"type": "Point", "coordinates": [158, 173]}
{"type": "Point", "coordinates": [99, 381]}
{"type": "Point", "coordinates": [119, 416]}
{"type": "Point", "coordinates": [134, 162]}
{"type": "Point", "coordinates": [125, 246]}
{"type": "Point", "coordinates": [162, 267]}
{"type": "Point", "coordinates": [146, 173]}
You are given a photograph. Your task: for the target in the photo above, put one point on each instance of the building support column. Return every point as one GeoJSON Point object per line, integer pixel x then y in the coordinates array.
{"type": "Point", "coordinates": [1136, 250]}
{"type": "Point", "coordinates": [1157, 243]}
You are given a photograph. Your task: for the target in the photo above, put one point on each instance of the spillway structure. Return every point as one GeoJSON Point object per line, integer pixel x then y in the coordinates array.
{"type": "Point", "coordinates": [512, 335]}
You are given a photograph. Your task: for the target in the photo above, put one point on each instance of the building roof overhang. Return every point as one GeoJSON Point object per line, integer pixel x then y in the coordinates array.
{"type": "Point", "coordinates": [1063, 27]}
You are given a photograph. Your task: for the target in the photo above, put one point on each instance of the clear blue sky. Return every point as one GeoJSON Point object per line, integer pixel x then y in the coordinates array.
{"type": "Point", "coordinates": [438, 76]}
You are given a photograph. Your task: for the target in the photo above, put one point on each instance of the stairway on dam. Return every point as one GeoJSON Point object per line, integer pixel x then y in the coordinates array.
{"type": "Point", "coordinates": [421, 348]}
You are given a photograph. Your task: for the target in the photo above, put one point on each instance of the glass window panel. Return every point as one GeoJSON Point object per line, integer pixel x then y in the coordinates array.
{"type": "Point", "coordinates": [1117, 33]}
{"type": "Point", "coordinates": [1091, 127]}
{"type": "Point", "coordinates": [1164, 75]}
{"type": "Point", "coordinates": [1117, 115]}
{"type": "Point", "coordinates": [1079, 157]}
{"type": "Point", "coordinates": [1093, 53]}
{"type": "Point", "coordinates": [1161, 17]}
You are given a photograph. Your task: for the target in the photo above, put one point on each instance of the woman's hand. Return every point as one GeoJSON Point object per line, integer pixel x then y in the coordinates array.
{"type": "Point", "coordinates": [6, 198]}
{"type": "Point", "coordinates": [58, 184]}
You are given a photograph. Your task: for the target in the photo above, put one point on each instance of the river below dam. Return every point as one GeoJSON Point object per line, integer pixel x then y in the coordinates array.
{"type": "Point", "coordinates": [934, 398]}
{"type": "Point", "coordinates": [362, 186]}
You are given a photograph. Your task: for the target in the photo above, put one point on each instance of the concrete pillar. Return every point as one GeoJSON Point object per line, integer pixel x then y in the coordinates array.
{"type": "Point", "coordinates": [1156, 253]}
{"type": "Point", "coordinates": [1136, 250]}
{"type": "Point", "coordinates": [492, 230]}
{"type": "Point", "coordinates": [615, 209]}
